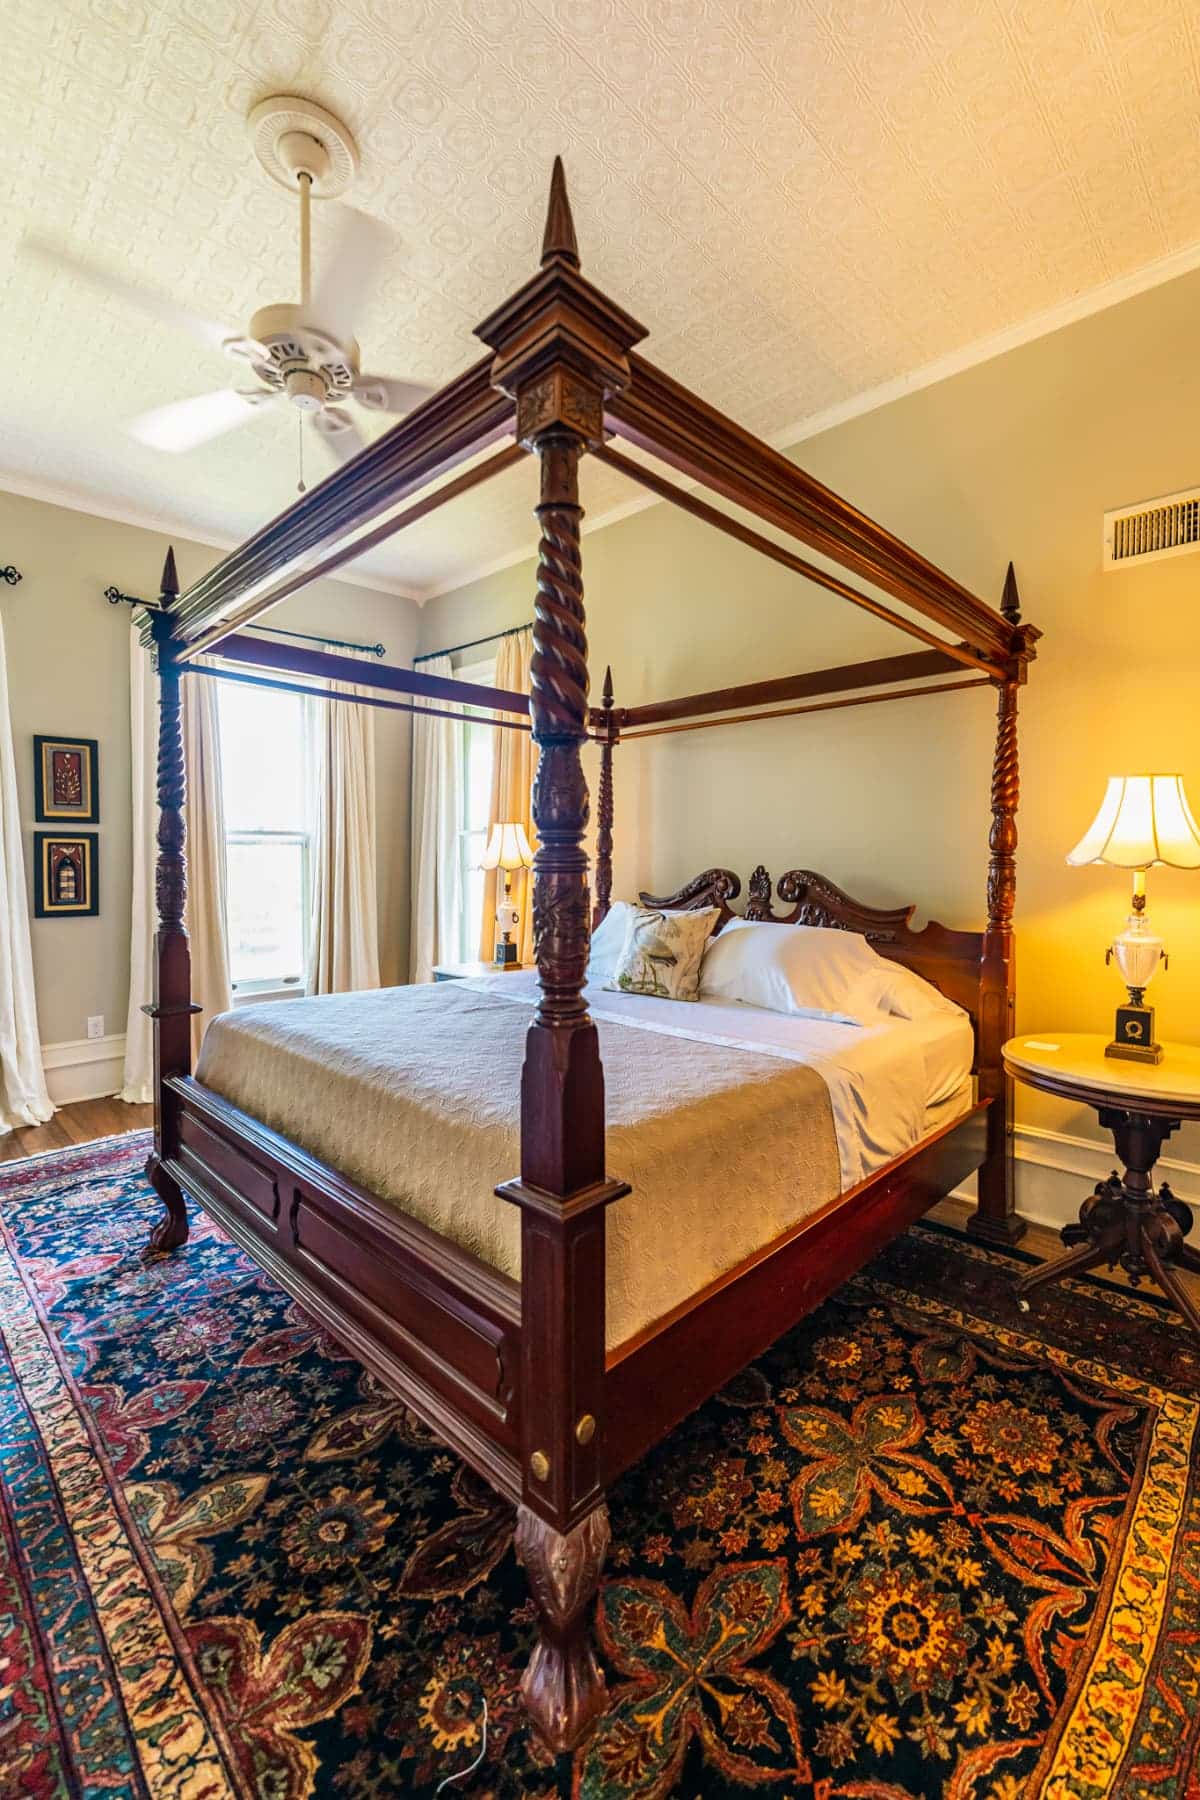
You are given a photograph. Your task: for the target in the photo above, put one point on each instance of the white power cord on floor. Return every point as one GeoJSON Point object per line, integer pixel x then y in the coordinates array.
{"type": "Point", "coordinates": [463, 1773]}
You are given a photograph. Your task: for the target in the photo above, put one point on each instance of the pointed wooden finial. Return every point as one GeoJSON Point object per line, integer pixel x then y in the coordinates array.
{"type": "Point", "coordinates": [169, 588]}
{"type": "Point", "coordinates": [558, 239]}
{"type": "Point", "coordinates": [1010, 600]}
{"type": "Point", "coordinates": [608, 686]}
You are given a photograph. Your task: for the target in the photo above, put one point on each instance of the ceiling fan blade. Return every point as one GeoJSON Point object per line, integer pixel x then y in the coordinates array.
{"type": "Point", "coordinates": [380, 393]}
{"type": "Point", "coordinates": [151, 305]}
{"type": "Point", "coordinates": [349, 271]}
{"type": "Point", "coordinates": [338, 432]}
{"type": "Point", "coordinates": [186, 424]}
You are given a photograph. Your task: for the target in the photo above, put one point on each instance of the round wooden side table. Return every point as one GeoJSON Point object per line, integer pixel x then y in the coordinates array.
{"type": "Point", "coordinates": [1126, 1220]}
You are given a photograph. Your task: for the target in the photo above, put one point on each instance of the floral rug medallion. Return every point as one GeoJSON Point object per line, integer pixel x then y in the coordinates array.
{"type": "Point", "coordinates": [924, 1548]}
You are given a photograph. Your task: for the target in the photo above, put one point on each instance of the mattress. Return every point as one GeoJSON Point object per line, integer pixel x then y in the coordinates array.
{"type": "Point", "coordinates": [732, 1124]}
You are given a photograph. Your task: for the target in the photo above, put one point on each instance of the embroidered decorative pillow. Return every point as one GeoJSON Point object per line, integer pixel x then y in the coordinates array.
{"type": "Point", "coordinates": [662, 953]}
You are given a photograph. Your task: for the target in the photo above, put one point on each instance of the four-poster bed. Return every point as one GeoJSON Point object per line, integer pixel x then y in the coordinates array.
{"type": "Point", "coordinates": [516, 1374]}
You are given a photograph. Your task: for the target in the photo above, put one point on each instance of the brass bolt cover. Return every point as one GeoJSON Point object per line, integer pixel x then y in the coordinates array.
{"type": "Point", "coordinates": [585, 1431]}
{"type": "Point", "coordinates": [539, 1464]}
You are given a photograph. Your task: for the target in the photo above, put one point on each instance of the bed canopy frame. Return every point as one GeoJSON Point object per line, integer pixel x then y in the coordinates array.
{"type": "Point", "coordinates": [515, 1376]}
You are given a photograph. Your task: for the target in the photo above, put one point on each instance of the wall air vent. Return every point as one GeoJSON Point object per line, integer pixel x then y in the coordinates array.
{"type": "Point", "coordinates": [1169, 526]}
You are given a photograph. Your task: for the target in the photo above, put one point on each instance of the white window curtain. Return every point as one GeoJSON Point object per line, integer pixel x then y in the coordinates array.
{"type": "Point", "coordinates": [205, 817]}
{"type": "Point", "coordinates": [437, 805]}
{"type": "Point", "coordinates": [207, 908]}
{"type": "Point", "coordinates": [23, 1096]}
{"type": "Point", "coordinates": [343, 951]}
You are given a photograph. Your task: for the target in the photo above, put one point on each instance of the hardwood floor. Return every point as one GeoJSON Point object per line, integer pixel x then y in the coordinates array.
{"type": "Point", "coordinates": [80, 1123]}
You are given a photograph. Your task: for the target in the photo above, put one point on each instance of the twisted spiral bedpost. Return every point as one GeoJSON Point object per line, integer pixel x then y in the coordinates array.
{"type": "Point", "coordinates": [171, 1009]}
{"type": "Point", "coordinates": [170, 874]}
{"type": "Point", "coordinates": [558, 681]}
{"type": "Point", "coordinates": [1006, 793]}
{"type": "Point", "coordinates": [604, 808]}
{"type": "Point", "coordinates": [561, 347]}
{"type": "Point", "coordinates": [995, 1218]}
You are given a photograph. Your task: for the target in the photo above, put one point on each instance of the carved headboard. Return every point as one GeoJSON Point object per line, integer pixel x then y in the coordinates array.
{"type": "Point", "coordinates": [951, 960]}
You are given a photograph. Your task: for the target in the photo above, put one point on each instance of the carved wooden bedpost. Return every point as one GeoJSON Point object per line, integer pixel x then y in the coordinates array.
{"type": "Point", "coordinates": [995, 1218]}
{"type": "Point", "coordinates": [171, 1009]}
{"type": "Point", "coordinates": [561, 347]}
{"type": "Point", "coordinates": [604, 807]}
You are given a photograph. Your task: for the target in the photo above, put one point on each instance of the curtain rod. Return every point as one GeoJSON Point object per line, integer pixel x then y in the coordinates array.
{"type": "Point", "coordinates": [115, 597]}
{"type": "Point", "coordinates": [293, 687]}
{"type": "Point", "coordinates": [11, 575]}
{"type": "Point", "coordinates": [493, 638]}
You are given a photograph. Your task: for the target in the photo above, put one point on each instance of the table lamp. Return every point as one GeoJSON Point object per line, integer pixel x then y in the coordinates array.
{"type": "Point", "coordinates": [1143, 820]}
{"type": "Point", "coordinates": [507, 848]}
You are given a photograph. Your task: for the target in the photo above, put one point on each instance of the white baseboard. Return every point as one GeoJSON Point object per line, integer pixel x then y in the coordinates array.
{"type": "Point", "coordinates": [84, 1068]}
{"type": "Point", "coordinates": [1055, 1173]}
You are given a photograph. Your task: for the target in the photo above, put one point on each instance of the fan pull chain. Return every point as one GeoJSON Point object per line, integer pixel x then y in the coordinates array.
{"type": "Point", "coordinates": [300, 487]}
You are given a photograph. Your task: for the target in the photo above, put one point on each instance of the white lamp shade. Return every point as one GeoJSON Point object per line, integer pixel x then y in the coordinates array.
{"type": "Point", "coordinates": [507, 848]}
{"type": "Point", "coordinates": [1143, 819]}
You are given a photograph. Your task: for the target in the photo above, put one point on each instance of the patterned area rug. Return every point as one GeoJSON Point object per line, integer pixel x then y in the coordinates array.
{"type": "Point", "coordinates": [924, 1548]}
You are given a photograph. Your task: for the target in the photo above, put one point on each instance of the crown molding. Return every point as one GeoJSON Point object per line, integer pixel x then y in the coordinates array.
{"type": "Point", "coordinates": [998, 343]}
{"type": "Point", "coordinates": [955, 362]}
{"type": "Point", "coordinates": [99, 508]}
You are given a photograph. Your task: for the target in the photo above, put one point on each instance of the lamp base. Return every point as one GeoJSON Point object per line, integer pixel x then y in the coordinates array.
{"type": "Point", "coordinates": [1133, 1035]}
{"type": "Point", "coordinates": [506, 956]}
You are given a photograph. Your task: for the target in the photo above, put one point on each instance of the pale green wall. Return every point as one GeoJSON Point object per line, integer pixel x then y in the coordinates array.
{"type": "Point", "coordinates": [1018, 457]}
{"type": "Point", "coordinates": [68, 671]}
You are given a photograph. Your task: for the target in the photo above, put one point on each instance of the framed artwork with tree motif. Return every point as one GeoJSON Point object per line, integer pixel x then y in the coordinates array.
{"type": "Point", "coordinates": [66, 781]}
{"type": "Point", "coordinates": [66, 877]}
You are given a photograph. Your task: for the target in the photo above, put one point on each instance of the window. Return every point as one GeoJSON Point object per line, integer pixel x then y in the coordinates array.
{"type": "Point", "coordinates": [267, 835]}
{"type": "Point", "coordinates": [477, 755]}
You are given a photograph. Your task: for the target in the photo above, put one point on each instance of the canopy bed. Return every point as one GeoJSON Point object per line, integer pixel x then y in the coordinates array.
{"type": "Point", "coordinates": [497, 1332]}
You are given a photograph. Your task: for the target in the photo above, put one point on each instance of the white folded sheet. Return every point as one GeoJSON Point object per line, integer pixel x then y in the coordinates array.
{"type": "Point", "coordinates": [884, 1080]}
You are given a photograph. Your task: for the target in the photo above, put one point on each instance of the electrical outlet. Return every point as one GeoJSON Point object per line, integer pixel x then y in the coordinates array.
{"type": "Point", "coordinates": [96, 1026]}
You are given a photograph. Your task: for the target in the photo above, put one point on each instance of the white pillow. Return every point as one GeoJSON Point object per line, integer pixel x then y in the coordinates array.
{"type": "Point", "coordinates": [812, 971]}
{"type": "Point", "coordinates": [907, 995]}
{"type": "Point", "coordinates": [608, 940]}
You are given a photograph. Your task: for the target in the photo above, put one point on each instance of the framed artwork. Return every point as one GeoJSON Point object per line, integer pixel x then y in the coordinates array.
{"type": "Point", "coordinates": [66, 781]}
{"type": "Point", "coordinates": [66, 875]}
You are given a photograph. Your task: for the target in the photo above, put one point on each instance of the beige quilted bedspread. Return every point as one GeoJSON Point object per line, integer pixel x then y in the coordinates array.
{"type": "Point", "coordinates": [412, 1093]}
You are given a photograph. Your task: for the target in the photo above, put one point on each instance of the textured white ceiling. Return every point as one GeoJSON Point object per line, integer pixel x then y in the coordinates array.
{"type": "Point", "coordinates": [800, 200]}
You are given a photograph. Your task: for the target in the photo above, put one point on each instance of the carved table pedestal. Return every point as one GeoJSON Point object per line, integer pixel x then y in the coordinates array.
{"type": "Point", "coordinates": [1126, 1221]}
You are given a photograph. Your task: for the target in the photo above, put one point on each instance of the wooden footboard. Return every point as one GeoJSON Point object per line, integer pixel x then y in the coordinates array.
{"type": "Point", "coordinates": [439, 1327]}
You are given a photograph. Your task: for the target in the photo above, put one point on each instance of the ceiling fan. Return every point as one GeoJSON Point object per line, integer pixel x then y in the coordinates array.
{"type": "Point", "coordinates": [301, 355]}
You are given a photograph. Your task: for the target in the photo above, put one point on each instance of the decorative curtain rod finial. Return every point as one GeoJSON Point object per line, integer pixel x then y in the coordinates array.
{"type": "Point", "coordinates": [11, 575]}
{"type": "Point", "coordinates": [558, 240]}
{"type": "Point", "coordinates": [115, 597]}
